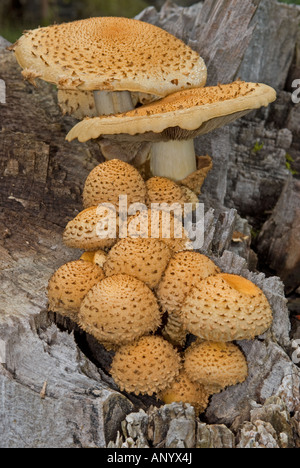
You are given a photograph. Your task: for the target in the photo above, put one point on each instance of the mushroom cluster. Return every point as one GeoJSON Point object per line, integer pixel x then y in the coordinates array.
{"type": "Point", "coordinates": [168, 314]}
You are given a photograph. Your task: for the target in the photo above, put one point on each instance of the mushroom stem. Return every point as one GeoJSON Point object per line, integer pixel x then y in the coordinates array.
{"type": "Point", "coordinates": [173, 159]}
{"type": "Point", "coordinates": [113, 102]}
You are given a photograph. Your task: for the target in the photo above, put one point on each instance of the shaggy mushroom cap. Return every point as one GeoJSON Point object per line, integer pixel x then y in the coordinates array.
{"type": "Point", "coordinates": [226, 307]}
{"type": "Point", "coordinates": [92, 229]}
{"type": "Point", "coordinates": [182, 389]}
{"type": "Point", "coordinates": [110, 179]}
{"type": "Point", "coordinates": [118, 310]}
{"type": "Point", "coordinates": [70, 284]}
{"type": "Point", "coordinates": [145, 259]}
{"type": "Point", "coordinates": [159, 224]}
{"type": "Point", "coordinates": [110, 53]}
{"type": "Point", "coordinates": [184, 271]}
{"type": "Point", "coordinates": [215, 364]}
{"type": "Point", "coordinates": [146, 366]}
{"type": "Point", "coordinates": [180, 116]}
{"type": "Point", "coordinates": [164, 190]}
{"type": "Point", "coordinates": [79, 104]}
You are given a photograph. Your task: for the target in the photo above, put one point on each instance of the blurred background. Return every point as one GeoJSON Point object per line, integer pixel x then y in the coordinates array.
{"type": "Point", "coordinates": [17, 15]}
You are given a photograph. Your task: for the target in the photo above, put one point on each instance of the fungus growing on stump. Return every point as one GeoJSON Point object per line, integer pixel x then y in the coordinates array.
{"type": "Point", "coordinates": [184, 271]}
{"type": "Point", "coordinates": [69, 285]}
{"type": "Point", "coordinates": [145, 259]}
{"type": "Point", "coordinates": [146, 366]}
{"type": "Point", "coordinates": [182, 389]}
{"type": "Point", "coordinates": [92, 229]}
{"type": "Point", "coordinates": [226, 307]}
{"type": "Point", "coordinates": [173, 122]}
{"type": "Point", "coordinates": [216, 365]}
{"type": "Point", "coordinates": [111, 57]}
{"type": "Point", "coordinates": [107, 181]}
{"type": "Point", "coordinates": [119, 309]}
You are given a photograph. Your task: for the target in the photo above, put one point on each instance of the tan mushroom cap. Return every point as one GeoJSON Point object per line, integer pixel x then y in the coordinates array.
{"type": "Point", "coordinates": [226, 307]}
{"type": "Point", "coordinates": [215, 364]}
{"type": "Point", "coordinates": [146, 366]}
{"type": "Point", "coordinates": [145, 259]}
{"type": "Point", "coordinates": [111, 53]}
{"type": "Point", "coordinates": [88, 230]}
{"type": "Point", "coordinates": [164, 190]}
{"type": "Point", "coordinates": [159, 224]}
{"type": "Point", "coordinates": [79, 104]}
{"type": "Point", "coordinates": [70, 284]}
{"type": "Point", "coordinates": [119, 309]}
{"type": "Point", "coordinates": [182, 389]}
{"type": "Point", "coordinates": [110, 179]}
{"type": "Point", "coordinates": [184, 271]}
{"type": "Point", "coordinates": [182, 115]}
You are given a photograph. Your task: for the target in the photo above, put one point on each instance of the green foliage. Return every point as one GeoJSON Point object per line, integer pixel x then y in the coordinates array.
{"type": "Point", "coordinates": [288, 164]}
{"type": "Point", "coordinates": [257, 147]}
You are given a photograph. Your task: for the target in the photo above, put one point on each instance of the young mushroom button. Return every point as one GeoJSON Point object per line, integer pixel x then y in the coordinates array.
{"type": "Point", "coordinates": [173, 122]}
{"type": "Point", "coordinates": [112, 57]}
{"type": "Point", "coordinates": [146, 366]}
{"type": "Point", "coordinates": [226, 307]}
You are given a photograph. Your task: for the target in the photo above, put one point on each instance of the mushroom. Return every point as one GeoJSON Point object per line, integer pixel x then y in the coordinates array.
{"type": "Point", "coordinates": [184, 271]}
{"type": "Point", "coordinates": [226, 307]}
{"type": "Point", "coordinates": [119, 309]}
{"type": "Point", "coordinates": [182, 389]}
{"type": "Point", "coordinates": [216, 365]}
{"type": "Point", "coordinates": [69, 284]}
{"type": "Point", "coordinates": [111, 57]}
{"type": "Point", "coordinates": [92, 229]}
{"type": "Point", "coordinates": [145, 259]}
{"type": "Point", "coordinates": [173, 122]}
{"type": "Point", "coordinates": [110, 179]}
{"type": "Point", "coordinates": [146, 366]}
{"type": "Point", "coordinates": [163, 190]}
{"type": "Point", "coordinates": [156, 223]}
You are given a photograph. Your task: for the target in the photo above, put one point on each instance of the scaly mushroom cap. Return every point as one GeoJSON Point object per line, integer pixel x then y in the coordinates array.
{"type": "Point", "coordinates": [215, 364]}
{"type": "Point", "coordinates": [88, 229]}
{"type": "Point", "coordinates": [70, 284]}
{"type": "Point", "coordinates": [180, 116]}
{"type": "Point", "coordinates": [146, 366]}
{"type": "Point", "coordinates": [159, 224]}
{"type": "Point", "coordinates": [184, 271]}
{"type": "Point", "coordinates": [182, 389]}
{"type": "Point", "coordinates": [79, 104]}
{"type": "Point", "coordinates": [226, 308]}
{"type": "Point", "coordinates": [112, 54]}
{"type": "Point", "coordinates": [163, 190]}
{"type": "Point", "coordinates": [107, 181]}
{"type": "Point", "coordinates": [145, 259]}
{"type": "Point", "coordinates": [119, 309]}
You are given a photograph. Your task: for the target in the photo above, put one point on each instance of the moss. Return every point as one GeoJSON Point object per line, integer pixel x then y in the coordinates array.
{"type": "Point", "coordinates": [257, 147]}
{"type": "Point", "coordinates": [288, 164]}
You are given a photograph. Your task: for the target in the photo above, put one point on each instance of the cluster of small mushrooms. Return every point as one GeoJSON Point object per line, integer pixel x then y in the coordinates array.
{"type": "Point", "coordinates": [168, 314]}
